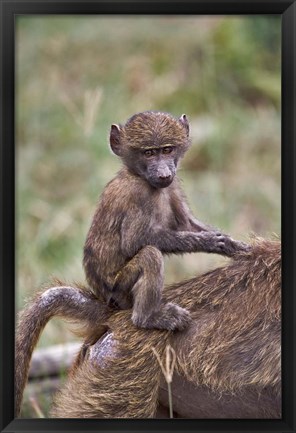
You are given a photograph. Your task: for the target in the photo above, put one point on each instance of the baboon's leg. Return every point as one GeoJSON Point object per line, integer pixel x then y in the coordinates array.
{"type": "Point", "coordinates": [144, 277]}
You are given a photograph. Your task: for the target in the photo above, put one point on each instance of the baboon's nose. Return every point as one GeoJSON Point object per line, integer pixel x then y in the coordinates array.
{"type": "Point", "coordinates": [164, 176]}
{"type": "Point", "coordinates": [164, 173]}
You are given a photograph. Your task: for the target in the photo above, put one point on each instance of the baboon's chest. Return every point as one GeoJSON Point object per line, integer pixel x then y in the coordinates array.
{"type": "Point", "coordinates": [162, 214]}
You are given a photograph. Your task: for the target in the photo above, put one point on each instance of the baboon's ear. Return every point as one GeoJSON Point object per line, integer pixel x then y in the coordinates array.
{"type": "Point", "coordinates": [115, 141]}
{"type": "Point", "coordinates": [183, 119]}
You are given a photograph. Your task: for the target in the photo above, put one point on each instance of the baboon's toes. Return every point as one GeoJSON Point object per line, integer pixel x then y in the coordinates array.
{"type": "Point", "coordinates": [178, 317]}
{"type": "Point", "coordinates": [170, 317]}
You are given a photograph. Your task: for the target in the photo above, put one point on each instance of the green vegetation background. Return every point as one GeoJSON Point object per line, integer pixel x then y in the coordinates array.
{"type": "Point", "coordinates": [78, 75]}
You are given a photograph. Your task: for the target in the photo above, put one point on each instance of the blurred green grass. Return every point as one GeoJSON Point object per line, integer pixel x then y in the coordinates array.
{"type": "Point", "coordinates": [76, 76]}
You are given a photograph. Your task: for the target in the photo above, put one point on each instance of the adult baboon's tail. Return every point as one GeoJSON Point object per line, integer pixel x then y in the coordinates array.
{"type": "Point", "coordinates": [78, 305]}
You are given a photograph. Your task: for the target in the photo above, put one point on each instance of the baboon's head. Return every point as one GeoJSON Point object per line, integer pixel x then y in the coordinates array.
{"type": "Point", "coordinates": [150, 144]}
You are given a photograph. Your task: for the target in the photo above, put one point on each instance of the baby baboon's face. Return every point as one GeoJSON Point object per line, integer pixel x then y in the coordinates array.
{"type": "Point", "coordinates": [151, 144]}
{"type": "Point", "coordinates": [157, 164]}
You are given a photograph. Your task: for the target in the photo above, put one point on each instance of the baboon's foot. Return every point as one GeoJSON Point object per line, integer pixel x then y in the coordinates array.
{"type": "Point", "coordinates": [170, 317]}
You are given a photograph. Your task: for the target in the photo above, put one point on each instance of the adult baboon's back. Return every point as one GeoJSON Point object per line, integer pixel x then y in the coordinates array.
{"type": "Point", "coordinates": [228, 361]}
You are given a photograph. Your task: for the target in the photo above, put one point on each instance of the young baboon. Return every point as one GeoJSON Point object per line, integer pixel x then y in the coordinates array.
{"type": "Point", "coordinates": [142, 215]}
{"type": "Point", "coordinates": [229, 357]}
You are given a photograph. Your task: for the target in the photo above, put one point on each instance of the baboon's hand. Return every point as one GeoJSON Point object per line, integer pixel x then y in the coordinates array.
{"type": "Point", "coordinates": [232, 246]}
{"type": "Point", "coordinates": [216, 242]}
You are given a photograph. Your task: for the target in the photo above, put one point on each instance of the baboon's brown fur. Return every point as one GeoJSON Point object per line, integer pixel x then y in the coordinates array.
{"type": "Point", "coordinates": [77, 305]}
{"type": "Point", "coordinates": [232, 350]}
{"type": "Point", "coordinates": [141, 215]}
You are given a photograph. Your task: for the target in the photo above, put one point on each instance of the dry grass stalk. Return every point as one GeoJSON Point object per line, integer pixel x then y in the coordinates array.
{"type": "Point", "coordinates": [36, 407]}
{"type": "Point", "coordinates": [168, 370]}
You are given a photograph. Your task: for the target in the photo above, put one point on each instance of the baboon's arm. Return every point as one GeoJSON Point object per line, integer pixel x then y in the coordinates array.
{"type": "Point", "coordinates": [78, 305]}
{"type": "Point", "coordinates": [135, 235]}
{"type": "Point", "coordinates": [186, 242]}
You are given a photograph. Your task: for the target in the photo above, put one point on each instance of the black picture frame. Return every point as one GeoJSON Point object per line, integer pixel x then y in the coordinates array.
{"type": "Point", "coordinates": [9, 10]}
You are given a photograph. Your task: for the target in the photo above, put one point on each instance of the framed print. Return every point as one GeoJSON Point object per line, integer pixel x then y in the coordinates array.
{"type": "Point", "coordinates": [105, 105]}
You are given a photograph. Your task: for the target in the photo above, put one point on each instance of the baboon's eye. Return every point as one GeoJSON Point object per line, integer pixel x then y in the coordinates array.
{"type": "Point", "coordinates": [149, 152]}
{"type": "Point", "coordinates": [167, 149]}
